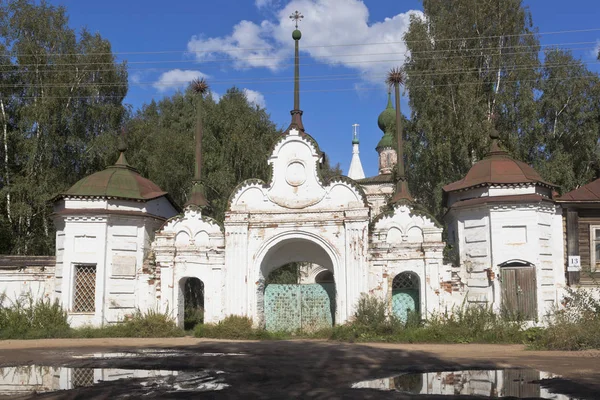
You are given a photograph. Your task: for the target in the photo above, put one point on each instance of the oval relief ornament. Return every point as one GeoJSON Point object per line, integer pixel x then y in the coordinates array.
{"type": "Point", "coordinates": [295, 174]}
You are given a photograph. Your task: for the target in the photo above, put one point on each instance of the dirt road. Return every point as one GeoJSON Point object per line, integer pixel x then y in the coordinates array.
{"type": "Point", "coordinates": [295, 369]}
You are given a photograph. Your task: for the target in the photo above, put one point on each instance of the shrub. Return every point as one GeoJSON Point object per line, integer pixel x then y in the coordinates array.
{"type": "Point", "coordinates": [147, 324]}
{"type": "Point", "coordinates": [576, 326]}
{"type": "Point", "coordinates": [192, 316]}
{"type": "Point", "coordinates": [232, 327]}
{"type": "Point", "coordinates": [32, 319]}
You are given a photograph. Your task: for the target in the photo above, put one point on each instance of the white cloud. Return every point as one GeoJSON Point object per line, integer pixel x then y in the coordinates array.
{"type": "Point", "coordinates": [176, 78]}
{"type": "Point", "coordinates": [596, 52]}
{"type": "Point", "coordinates": [328, 26]}
{"type": "Point", "coordinates": [266, 3]}
{"type": "Point", "coordinates": [255, 97]}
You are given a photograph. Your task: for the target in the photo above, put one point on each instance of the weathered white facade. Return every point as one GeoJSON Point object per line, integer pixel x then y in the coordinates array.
{"type": "Point", "coordinates": [123, 246]}
{"type": "Point", "coordinates": [112, 238]}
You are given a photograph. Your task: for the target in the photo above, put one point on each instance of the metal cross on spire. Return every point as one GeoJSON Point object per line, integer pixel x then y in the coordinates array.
{"type": "Point", "coordinates": [297, 17]}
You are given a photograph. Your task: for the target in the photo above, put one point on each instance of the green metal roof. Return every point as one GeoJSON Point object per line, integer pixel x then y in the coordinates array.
{"type": "Point", "coordinates": [119, 181]}
{"type": "Point", "coordinates": [387, 119]}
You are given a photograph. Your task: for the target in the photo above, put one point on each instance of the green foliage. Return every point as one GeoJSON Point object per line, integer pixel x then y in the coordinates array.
{"type": "Point", "coordinates": [40, 319]}
{"type": "Point", "coordinates": [372, 322]}
{"type": "Point", "coordinates": [547, 113]}
{"type": "Point", "coordinates": [232, 327]}
{"type": "Point", "coordinates": [148, 324]}
{"type": "Point", "coordinates": [237, 140]}
{"type": "Point", "coordinates": [192, 317]}
{"type": "Point", "coordinates": [62, 97]}
{"type": "Point", "coordinates": [32, 319]}
{"type": "Point", "coordinates": [286, 274]}
{"type": "Point", "coordinates": [574, 327]}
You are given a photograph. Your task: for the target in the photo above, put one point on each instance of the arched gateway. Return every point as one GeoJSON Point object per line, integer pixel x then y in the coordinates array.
{"type": "Point", "coordinates": [297, 217]}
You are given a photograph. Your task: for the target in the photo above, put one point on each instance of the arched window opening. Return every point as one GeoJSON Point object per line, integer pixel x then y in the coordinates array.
{"type": "Point", "coordinates": [324, 277]}
{"type": "Point", "coordinates": [193, 303]}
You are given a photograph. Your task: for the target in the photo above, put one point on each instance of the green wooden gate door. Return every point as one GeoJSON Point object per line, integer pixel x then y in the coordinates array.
{"type": "Point", "coordinates": [519, 292]}
{"type": "Point", "coordinates": [405, 294]}
{"type": "Point", "coordinates": [293, 307]}
{"type": "Point", "coordinates": [404, 301]}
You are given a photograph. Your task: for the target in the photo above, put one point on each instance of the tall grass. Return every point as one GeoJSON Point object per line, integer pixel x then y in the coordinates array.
{"type": "Point", "coordinates": [150, 324]}
{"type": "Point", "coordinates": [39, 319]}
{"type": "Point", "coordinates": [574, 327]}
{"type": "Point", "coordinates": [27, 318]}
{"type": "Point", "coordinates": [466, 324]}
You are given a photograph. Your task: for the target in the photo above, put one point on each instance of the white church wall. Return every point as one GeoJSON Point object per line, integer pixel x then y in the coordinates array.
{"type": "Point", "coordinates": [19, 284]}
{"type": "Point", "coordinates": [84, 244]}
{"type": "Point", "coordinates": [114, 241]}
{"type": "Point", "coordinates": [190, 246]}
{"type": "Point", "coordinates": [525, 233]}
{"type": "Point", "coordinates": [407, 242]}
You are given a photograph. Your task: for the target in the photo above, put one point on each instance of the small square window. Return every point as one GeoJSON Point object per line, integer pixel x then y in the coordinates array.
{"type": "Point", "coordinates": [84, 293]}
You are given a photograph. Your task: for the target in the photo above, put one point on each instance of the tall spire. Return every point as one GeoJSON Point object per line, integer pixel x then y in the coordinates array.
{"type": "Point", "coordinates": [198, 196]}
{"type": "Point", "coordinates": [296, 112]}
{"type": "Point", "coordinates": [396, 78]}
{"type": "Point", "coordinates": [356, 169]}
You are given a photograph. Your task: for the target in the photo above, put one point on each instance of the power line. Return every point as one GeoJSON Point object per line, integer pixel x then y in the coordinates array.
{"type": "Point", "coordinates": [322, 90]}
{"type": "Point", "coordinates": [48, 68]}
{"type": "Point", "coordinates": [327, 45]}
{"type": "Point", "coordinates": [315, 78]}
{"type": "Point", "coordinates": [253, 59]}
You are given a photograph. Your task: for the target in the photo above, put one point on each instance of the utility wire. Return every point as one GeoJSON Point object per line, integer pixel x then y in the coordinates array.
{"type": "Point", "coordinates": [50, 69]}
{"type": "Point", "coordinates": [331, 45]}
{"type": "Point", "coordinates": [99, 96]}
{"type": "Point", "coordinates": [254, 59]}
{"type": "Point", "coordinates": [315, 78]}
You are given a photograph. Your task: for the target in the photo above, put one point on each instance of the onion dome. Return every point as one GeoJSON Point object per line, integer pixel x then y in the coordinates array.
{"type": "Point", "coordinates": [497, 168]}
{"type": "Point", "coordinates": [386, 122]}
{"type": "Point", "coordinates": [117, 181]}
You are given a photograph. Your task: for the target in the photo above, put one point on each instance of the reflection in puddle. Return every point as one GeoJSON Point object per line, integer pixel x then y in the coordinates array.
{"type": "Point", "coordinates": [154, 353]}
{"type": "Point", "coordinates": [522, 383]}
{"type": "Point", "coordinates": [33, 378]}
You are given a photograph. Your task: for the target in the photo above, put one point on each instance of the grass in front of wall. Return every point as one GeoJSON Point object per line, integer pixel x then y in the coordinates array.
{"type": "Point", "coordinates": [576, 326]}
{"type": "Point", "coordinates": [150, 324]}
{"type": "Point", "coordinates": [32, 319]}
{"type": "Point", "coordinates": [373, 323]}
{"type": "Point", "coordinates": [43, 319]}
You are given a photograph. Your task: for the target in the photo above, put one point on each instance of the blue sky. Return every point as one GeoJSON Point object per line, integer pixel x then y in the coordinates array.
{"type": "Point", "coordinates": [338, 88]}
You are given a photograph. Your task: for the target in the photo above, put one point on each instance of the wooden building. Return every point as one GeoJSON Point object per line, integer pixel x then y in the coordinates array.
{"type": "Point", "coordinates": [581, 213]}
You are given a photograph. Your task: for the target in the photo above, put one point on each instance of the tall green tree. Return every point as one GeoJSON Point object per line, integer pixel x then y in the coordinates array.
{"type": "Point", "coordinates": [469, 59]}
{"type": "Point", "coordinates": [569, 115]}
{"type": "Point", "coordinates": [59, 92]}
{"type": "Point", "coordinates": [238, 137]}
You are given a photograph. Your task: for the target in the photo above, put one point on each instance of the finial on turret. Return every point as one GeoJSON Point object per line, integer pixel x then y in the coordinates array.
{"type": "Point", "coordinates": [395, 78]}
{"type": "Point", "coordinates": [122, 147]}
{"type": "Point", "coordinates": [297, 17]}
{"type": "Point", "coordinates": [355, 133]}
{"type": "Point", "coordinates": [197, 196]}
{"type": "Point", "coordinates": [296, 112]}
{"type": "Point", "coordinates": [494, 135]}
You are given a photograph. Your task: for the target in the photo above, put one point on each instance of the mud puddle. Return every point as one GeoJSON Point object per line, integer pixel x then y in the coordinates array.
{"type": "Point", "coordinates": [22, 380]}
{"type": "Point", "coordinates": [519, 383]}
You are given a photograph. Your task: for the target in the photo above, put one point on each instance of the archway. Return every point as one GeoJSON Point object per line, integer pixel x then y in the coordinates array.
{"type": "Point", "coordinates": [406, 297]}
{"type": "Point", "coordinates": [295, 306]}
{"type": "Point", "coordinates": [191, 302]}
